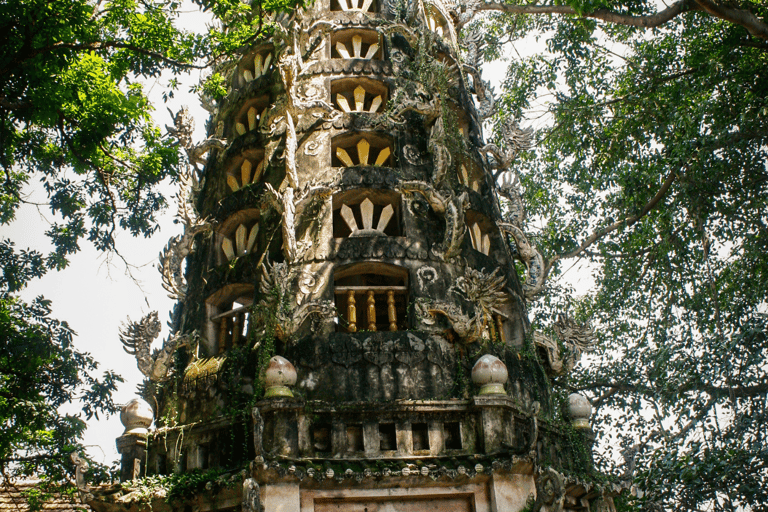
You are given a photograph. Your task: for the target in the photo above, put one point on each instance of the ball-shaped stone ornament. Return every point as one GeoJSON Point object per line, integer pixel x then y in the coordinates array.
{"type": "Point", "coordinates": [579, 410]}
{"type": "Point", "coordinates": [136, 417]}
{"type": "Point", "coordinates": [490, 373]}
{"type": "Point", "coordinates": [279, 375]}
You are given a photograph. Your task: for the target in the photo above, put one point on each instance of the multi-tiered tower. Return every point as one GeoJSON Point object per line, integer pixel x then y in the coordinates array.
{"type": "Point", "coordinates": [353, 334]}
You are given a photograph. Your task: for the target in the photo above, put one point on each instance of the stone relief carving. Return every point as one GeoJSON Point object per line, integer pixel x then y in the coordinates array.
{"type": "Point", "coordinates": [378, 353]}
{"type": "Point", "coordinates": [550, 491]}
{"type": "Point", "coordinates": [313, 147]}
{"type": "Point", "coordinates": [425, 276]}
{"type": "Point", "coordinates": [572, 340]}
{"type": "Point", "coordinates": [450, 206]}
{"type": "Point", "coordinates": [417, 100]}
{"type": "Point", "coordinates": [258, 432]}
{"type": "Point", "coordinates": [291, 206]}
{"type": "Point", "coordinates": [380, 350]}
{"type": "Point", "coordinates": [483, 293]}
{"type": "Point", "coordinates": [412, 155]}
{"type": "Point", "coordinates": [137, 338]}
{"type": "Point", "coordinates": [276, 284]}
{"type": "Point", "coordinates": [251, 496]}
{"type": "Point", "coordinates": [441, 155]}
{"type": "Point", "coordinates": [308, 284]}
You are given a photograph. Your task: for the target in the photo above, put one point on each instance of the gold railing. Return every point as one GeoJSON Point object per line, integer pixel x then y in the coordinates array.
{"type": "Point", "coordinates": [233, 327]}
{"type": "Point", "coordinates": [368, 298]}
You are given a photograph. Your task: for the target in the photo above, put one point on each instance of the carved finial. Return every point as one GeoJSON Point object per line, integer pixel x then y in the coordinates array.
{"type": "Point", "coordinates": [579, 410]}
{"type": "Point", "coordinates": [136, 416]}
{"type": "Point", "coordinates": [279, 375]}
{"type": "Point", "coordinates": [81, 466]}
{"type": "Point", "coordinates": [490, 373]}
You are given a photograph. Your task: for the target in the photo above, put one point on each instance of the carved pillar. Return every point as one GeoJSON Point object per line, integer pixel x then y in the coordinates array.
{"type": "Point", "coordinates": [280, 431]}
{"type": "Point", "coordinates": [493, 421]}
{"type": "Point", "coordinates": [133, 456]}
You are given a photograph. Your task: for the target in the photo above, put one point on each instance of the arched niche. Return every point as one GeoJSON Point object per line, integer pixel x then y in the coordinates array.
{"type": "Point", "coordinates": [228, 317]}
{"type": "Point", "coordinates": [356, 44]}
{"type": "Point", "coordinates": [437, 23]}
{"type": "Point", "coordinates": [359, 95]}
{"type": "Point", "coordinates": [254, 66]}
{"type": "Point", "coordinates": [371, 296]}
{"type": "Point", "coordinates": [358, 149]}
{"type": "Point", "coordinates": [354, 5]}
{"type": "Point", "coordinates": [246, 168]}
{"type": "Point", "coordinates": [470, 175]}
{"type": "Point", "coordinates": [480, 228]}
{"type": "Point", "coordinates": [250, 114]}
{"type": "Point", "coordinates": [236, 236]}
{"type": "Point", "coordinates": [366, 212]}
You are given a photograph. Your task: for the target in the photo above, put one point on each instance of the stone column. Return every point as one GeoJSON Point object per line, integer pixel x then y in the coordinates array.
{"type": "Point", "coordinates": [133, 456]}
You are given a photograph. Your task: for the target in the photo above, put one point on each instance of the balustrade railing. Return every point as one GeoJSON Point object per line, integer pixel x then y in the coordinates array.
{"type": "Point", "coordinates": [233, 327]}
{"type": "Point", "coordinates": [389, 305]}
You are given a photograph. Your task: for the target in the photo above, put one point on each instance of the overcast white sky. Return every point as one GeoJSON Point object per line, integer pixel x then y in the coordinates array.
{"type": "Point", "coordinates": [95, 294]}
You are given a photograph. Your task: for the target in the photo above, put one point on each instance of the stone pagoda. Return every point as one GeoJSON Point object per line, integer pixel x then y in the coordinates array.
{"type": "Point", "coordinates": [351, 332]}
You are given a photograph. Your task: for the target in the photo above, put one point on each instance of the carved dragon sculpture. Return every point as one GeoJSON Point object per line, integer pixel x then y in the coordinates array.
{"type": "Point", "coordinates": [574, 338]}
{"type": "Point", "coordinates": [450, 206]}
{"type": "Point", "coordinates": [484, 292]}
{"type": "Point", "coordinates": [441, 156]}
{"type": "Point", "coordinates": [178, 248]}
{"type": "Point", "coordinates": [182, 129]}
{"type": "Point", "coordinates": [462, 11]}
{"type": "Point", "coordinates": [137, 338]}
{"type": "Point", "coordinates": [531, 258]}
{"type": "Point", "coordinates": [289, 206]}
{"type": "Point", "coordinates": [275, 286]}
{"type": "Point", "coordinates": [514, 141]}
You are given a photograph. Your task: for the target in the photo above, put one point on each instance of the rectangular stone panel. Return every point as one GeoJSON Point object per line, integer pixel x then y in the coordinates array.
{"type": "Point", "coordinates": [402, 498]}
{"type": "Point", "coordinates": [455, 503]}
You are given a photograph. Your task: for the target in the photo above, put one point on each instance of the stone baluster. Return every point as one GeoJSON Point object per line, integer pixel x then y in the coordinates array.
{"type": "Point", "coordinates": [351, 311]}
{"type": "Point", "coordinates": [392, 312]}
{"type": "Point", "coordinates": [371, 311]}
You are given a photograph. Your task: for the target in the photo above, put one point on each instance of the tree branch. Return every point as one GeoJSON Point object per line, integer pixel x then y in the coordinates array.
{"type": "Point", "coordinates": [93, 46]}
{"type": "Point", "coordinates": [742, 17]}
{"type": "Point", "coordinates": [628, 221]}
{"type": "Point", "coordinates": [650, 21]}
{"type": "Point", "coordinates": [753, 391]}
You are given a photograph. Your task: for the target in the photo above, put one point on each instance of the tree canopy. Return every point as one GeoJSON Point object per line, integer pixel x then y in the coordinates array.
{"type": "Point", "coordinates": [652, 166]}
{"type": "Point", "coordinates": [76, 122]}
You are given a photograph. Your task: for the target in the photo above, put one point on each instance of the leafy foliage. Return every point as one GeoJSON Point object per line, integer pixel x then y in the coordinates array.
{"type": "Point", "coordinates": [74, 114]}
{"type": "Point", "coordinates": [75, 117]}
{"type": "Point", "coordinates": [40, 372]}
{"type": "Point", "coordinates": [658, 140]}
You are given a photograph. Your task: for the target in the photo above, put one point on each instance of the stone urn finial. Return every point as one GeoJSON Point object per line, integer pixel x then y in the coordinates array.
{"type": "Point", "coordinates": [279, 375]}
{"type": "Point", "coordinates": [579, 410]}
{"type": "Point", "coordinates": [136, 416]}
{"type": "Point", "coordinates": [491, 374]}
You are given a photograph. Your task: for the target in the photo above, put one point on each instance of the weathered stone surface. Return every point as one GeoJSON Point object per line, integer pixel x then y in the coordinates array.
{"type": "Point", "coordinates": [367, 251]}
